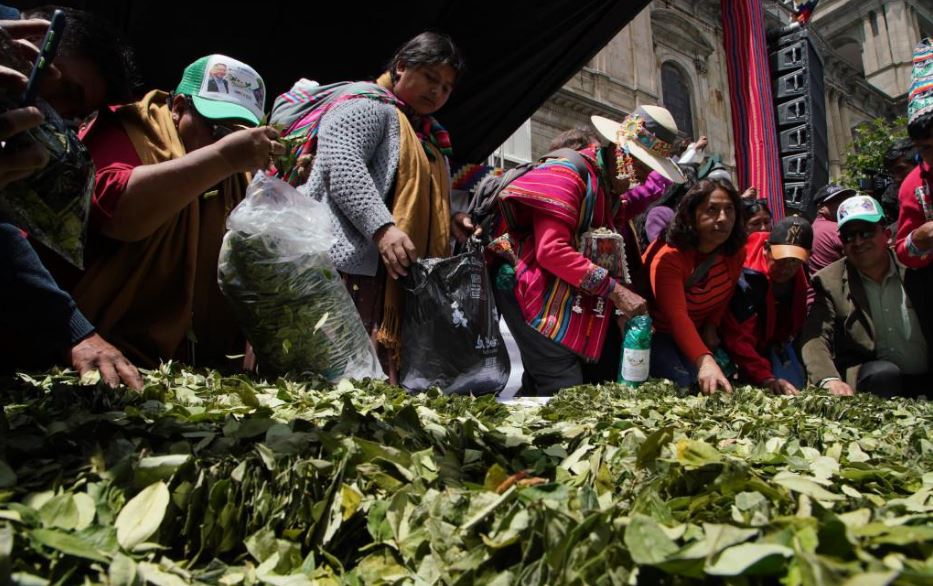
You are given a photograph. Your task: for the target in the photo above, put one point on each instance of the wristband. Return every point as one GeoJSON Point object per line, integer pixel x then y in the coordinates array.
{"type": "Point", "coordinates": [913, 249]}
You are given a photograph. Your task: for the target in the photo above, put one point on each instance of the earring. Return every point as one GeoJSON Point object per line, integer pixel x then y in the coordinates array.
{"type": "Point", "coordinates": [622, 165]}
{"type": "Point", "coordinates": [625, 168]}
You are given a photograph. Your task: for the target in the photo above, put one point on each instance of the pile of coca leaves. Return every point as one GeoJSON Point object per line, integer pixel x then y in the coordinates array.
{"type": "Point", "coordinates": [205, 479]}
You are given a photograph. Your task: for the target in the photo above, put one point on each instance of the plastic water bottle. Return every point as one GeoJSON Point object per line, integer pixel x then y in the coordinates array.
{"type": "Point", "coordinates": [636, 351]}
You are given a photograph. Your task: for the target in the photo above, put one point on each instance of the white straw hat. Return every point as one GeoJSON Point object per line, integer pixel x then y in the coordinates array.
{"type": "Point", "coordinates": [648, 134]}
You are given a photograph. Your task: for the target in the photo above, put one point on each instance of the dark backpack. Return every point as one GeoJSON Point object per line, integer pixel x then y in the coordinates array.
{"type": "Point", "coordinates": [484, 205]}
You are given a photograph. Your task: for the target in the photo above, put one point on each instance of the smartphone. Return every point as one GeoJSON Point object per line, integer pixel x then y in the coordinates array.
{"type": "Point", "coordinates": [46, 54]}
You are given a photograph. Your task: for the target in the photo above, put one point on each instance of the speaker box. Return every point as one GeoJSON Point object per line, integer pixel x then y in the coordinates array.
{"type": "Point", "coordinates": [793, 112]}
{"type": "Point", "coordinates": [795, 76]}
{"type": "Point", "coordinates": [796, 167]}
{"type": "Point", "coordinates": [804, 173]}
{"type": "Point", "coordinates": [795, 195]}
{"type": "Point", "coordinates": [792, 85]}
{"type": "Point", "coordinates": [802, 138]}
{"type": "Point", "coordinates": [800, 108]}
{"type": "Point", "coordinates": [795, 139]}
{"type": "Point", "coordinates": [793, 52]}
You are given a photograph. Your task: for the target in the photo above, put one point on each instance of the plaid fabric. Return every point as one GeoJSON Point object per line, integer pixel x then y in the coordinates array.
{"type": "Point", "coordinates": [753, 119]}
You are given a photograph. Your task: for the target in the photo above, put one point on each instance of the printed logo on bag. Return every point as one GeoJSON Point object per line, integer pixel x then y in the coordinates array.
{"type": "Point", "coordinates": [457, 316]}
{"type": "Point", "coordinates": [484, 344]}
{"type": "Point", "coordinates": [476, 286]}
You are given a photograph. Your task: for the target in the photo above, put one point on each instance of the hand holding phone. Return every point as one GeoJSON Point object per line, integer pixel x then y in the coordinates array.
{"type": "Point", "coordinates": [47, 53]}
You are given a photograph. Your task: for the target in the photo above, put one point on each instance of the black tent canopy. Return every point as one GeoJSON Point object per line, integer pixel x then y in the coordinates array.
{"type": "Point", "coordinates": [518, 52]}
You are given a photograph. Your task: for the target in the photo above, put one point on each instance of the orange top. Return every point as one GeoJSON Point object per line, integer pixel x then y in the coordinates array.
{"type": "Point", "coordinates": [681, 313]}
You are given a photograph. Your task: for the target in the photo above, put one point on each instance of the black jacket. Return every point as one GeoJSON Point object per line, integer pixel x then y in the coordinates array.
{"type": "Point", "coordinates": [39, 319]}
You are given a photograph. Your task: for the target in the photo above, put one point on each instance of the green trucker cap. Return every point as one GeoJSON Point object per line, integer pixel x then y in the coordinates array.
{"type": "Point", "coordinates": [222, 87]}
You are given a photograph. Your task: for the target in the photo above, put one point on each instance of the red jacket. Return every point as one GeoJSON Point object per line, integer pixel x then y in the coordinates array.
{"type": "Point", "coordinates": [755, 322]}
{"type": "Point", "coordinates": [911, 215]}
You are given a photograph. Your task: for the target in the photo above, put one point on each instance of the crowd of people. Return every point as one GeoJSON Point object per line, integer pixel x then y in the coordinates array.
{"type": "Point", "coordinates": [836, 302]}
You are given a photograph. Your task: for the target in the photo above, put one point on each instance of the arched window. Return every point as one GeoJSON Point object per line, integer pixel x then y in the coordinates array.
{"type": "Point", "coordinates": [676, 97]}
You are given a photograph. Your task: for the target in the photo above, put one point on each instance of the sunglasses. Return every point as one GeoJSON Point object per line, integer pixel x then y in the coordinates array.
{"type": "Point", "coordinates": [753, 206]}
{"type": "Point", "coordinates": [849, 236]}
{"type": "Point", "coordinates": [218, 129]}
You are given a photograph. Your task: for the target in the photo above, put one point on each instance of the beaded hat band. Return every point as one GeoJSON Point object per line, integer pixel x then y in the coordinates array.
{"type": "Point", "coordinates": [920, 95]}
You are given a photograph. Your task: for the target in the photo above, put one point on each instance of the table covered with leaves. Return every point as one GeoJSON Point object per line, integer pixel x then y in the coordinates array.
{"type": "Point", "coordinates": [225, 480]}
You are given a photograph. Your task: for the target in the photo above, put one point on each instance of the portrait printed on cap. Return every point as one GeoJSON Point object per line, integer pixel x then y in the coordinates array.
{"type": "Point", "coordinates": [232, 81]}
{"type": "Point", "coordinates": [217, 78]}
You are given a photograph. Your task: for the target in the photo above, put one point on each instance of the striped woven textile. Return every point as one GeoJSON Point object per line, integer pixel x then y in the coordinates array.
{"type": "Point", "coordinates": [754, 127]}
{"type": "Point", "coordinates": [466, 176]}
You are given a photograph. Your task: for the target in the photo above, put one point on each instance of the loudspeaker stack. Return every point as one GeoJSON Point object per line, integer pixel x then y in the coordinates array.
{"type": "Point", "coordinates": [797, 76]}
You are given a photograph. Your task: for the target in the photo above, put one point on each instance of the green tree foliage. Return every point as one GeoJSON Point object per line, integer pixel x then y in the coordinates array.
{"type": "Point", "coordinates": [865, 155]}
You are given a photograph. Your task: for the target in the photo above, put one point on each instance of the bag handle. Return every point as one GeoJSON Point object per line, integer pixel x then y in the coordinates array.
{"type": "Point", "coordinates": [700, 271]}
{"type": "Point", "coordinates": [469, 245]}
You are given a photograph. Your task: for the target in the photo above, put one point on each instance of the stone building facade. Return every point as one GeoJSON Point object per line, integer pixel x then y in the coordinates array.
{"type": "Point", "coordinates": [672, 53]}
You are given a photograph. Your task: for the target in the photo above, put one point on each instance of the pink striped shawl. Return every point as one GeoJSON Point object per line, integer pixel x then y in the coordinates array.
{"type": "Point", "coordinates": [547, 302]}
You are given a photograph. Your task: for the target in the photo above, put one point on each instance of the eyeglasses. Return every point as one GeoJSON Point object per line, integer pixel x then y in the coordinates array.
{"type": "Point", "coordinates": [754, 206]}
{"type": "Point", "coordinates": [218, 129]}
{"type": "Point", "coordinates": [849, 236]}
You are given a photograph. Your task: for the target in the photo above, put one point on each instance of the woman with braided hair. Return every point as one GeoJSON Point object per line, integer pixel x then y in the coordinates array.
{"type": "Point", "coordinates": [375, 156]}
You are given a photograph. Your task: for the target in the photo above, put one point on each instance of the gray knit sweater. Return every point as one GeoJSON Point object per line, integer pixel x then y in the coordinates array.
{"type": "Point", "coordinates": [353, 174]}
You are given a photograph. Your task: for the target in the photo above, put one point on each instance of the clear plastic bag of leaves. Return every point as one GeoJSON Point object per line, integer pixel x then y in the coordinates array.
{"type": "Point", "coordinates": [53, 203]}
{"type": "Point", "coordinates": [276, 272]}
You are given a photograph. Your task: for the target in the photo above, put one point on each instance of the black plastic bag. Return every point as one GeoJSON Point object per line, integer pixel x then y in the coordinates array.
{"type": "Point", "coordinates": [450, 333]}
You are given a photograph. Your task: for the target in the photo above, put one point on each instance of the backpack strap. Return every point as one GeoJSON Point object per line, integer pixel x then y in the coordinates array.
{"type": "Point", "coordinates": [574, 157]}
{"type": "Point", "coordinates": [483, 203]}
{"type": "Point", "coordinates": [700, 271]}
{"type": "Point", "coordinates": [641, 281]}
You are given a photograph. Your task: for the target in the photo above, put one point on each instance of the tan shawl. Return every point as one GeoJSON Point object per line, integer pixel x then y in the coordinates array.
{"type": "Point", "coordinates": [421, 209]}
{"type": "Point", "coordinates": [147, 297]}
